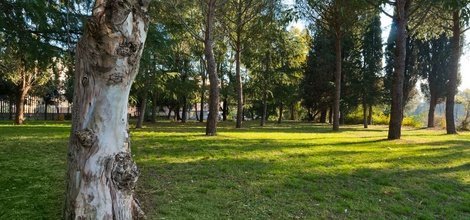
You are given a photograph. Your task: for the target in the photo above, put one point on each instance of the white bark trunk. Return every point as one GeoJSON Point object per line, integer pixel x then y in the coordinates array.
{"type": "Point", "coordinates": [101, 175]}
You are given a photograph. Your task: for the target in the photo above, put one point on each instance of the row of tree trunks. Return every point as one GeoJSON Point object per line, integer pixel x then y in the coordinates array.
{"type": "Point", "coordinates": [101, 175]}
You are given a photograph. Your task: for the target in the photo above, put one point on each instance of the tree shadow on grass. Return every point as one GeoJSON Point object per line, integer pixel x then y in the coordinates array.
{"type": "Point", "coordinates": [182, 146]}
{"type": "Point", "coordinates": [257, 189]}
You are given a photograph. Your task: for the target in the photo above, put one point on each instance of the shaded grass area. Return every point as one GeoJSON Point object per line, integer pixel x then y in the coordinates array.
{"type": "Point", "coordinates": [287, 171]}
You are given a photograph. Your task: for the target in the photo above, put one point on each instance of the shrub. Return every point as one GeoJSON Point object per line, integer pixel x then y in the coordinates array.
{"type": "Point", "coordinates": [412, 121]}
{"type": "Point", "coordinates": [380, 119]}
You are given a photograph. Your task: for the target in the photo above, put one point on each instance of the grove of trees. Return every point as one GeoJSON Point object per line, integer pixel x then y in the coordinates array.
{"type": "Point", "coordinates": [228, 59]}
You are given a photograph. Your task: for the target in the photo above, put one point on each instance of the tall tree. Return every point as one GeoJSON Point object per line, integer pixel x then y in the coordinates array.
{"type": "Point", "coordinates": [238, 22]}
{"type": "Point", "coordinates": [317, 84]}
{"type": "Point", "coordinates": [336, 17]}
{"type": "Point", "coordinates": [205, 21]}
{"type": "Point", "coordinates": [32, 34]}
{"type": "Point", "coordinates": [402, 8]}
{"type": "Point", "coordinates": [434, 59]}
{"type": "Point", "coordinates": [372, 55]}
{"type": "Point", "coordinates": [101, 174]}
{"type": "Point", "coordinates": [460, 14]}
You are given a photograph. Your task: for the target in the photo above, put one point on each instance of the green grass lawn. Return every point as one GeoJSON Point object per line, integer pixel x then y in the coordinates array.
{"type": "Point", "coordinates": [288, 171]}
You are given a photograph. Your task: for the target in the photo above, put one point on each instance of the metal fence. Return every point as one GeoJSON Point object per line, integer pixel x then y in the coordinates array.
{"type": "Point", "coordinates": [35, 108]}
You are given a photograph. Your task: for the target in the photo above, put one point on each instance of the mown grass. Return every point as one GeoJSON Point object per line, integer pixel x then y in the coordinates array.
{"type": "Point", "coordinates": [288, 171]}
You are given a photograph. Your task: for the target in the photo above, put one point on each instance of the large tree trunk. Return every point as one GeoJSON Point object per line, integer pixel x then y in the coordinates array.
{"type": "Point", "coordinates": [20, 102]}
{"type": "Point", "coordinates": [452, 83]}
{"type": "Point", "coordinates": [142, 110]}
{"type": "Point", "coordinates": [369, 118]}
{"type": "Point", "coordinates": [432, 108]}
{"type": "Point", "coordinates": [396, 114]}
{"type": "Point", "coordinates": [337, 99]}
{"type": "Point", "coordinates": [101, 174]}
{"type": "Point", "coordinates": [213, 117]}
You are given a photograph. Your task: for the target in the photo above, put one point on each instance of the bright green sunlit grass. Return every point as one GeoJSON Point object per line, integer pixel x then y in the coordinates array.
{"type": "Point", "coordinates": [288, 171]}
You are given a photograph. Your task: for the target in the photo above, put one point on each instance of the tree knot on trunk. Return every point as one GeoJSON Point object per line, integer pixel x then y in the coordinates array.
{"type": "Point", "coordinates": [115, 78]}
{"type": "Point", "coordinates": [86, 137]}
{"type": "Point", "coordinates": [126, 49]}
{"type": "Point", "coordinates": [125, 172]}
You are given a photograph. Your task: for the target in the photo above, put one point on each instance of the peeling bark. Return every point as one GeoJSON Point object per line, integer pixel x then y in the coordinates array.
{"type": "Point", "coordinates": [101, 175]}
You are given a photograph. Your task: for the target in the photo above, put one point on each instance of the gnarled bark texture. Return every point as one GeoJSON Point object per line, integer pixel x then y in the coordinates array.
{"type": "Point", "coordinates": [101, 174]}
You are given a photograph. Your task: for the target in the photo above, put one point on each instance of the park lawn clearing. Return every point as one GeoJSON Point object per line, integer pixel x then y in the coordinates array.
{"type": "Point", "coordinates": [286, 171]}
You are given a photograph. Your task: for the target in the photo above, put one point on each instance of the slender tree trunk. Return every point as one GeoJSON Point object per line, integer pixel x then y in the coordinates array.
{"type": "Point", "coordinates": [432, 108]}
{"type": "Point", "coordinates": [213, 117]}
{"type": "Point", "coordinates": [336, 115]}
{"type": "Point", "coordinates": [342, 118]}
{"type": "Point", "coordinates": [142, 110]}
{"type": "Point", "coordinates": [45, 109]}
{"type": "Point", "coordinates": [323, 114]}
{"type": "Point", "coordinates": [330, 115]}
{"type": "Point", "coordinates": [364, 114]}
{"type": "Point", "coordinates": [184, 110]}
{"type": "Point", "coordinates": [281, 109]}
{"type": "Point", "coordinates": [10, 111]}
{"type": "Point", "coordinates": [101, 175]}
{"type": "Point", "coordinates": [20, 103]}
{"type": "Point", "coordinates": [453, 74]}
{"type": "Point", "coordinates": [396, 114]}
{"type": "Point", "coordinates": [168, 116]}
{"type": "Point", "coordinates": [201, 110]}
{"type": "Point", "coordinates": [177, 113]}
{"type": "Point", "coordinates": [369, 119]}
{"type": "Point", "coordinates": [292, 112]}
{"type": "Point", "coordinates": [239, 89]}
{"type": "Point", "coordinates": [265, 109]}
{"type": "Point", "coordinates": [225, 109]}
{"type": "Point", "coordinates": [154, 106]}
